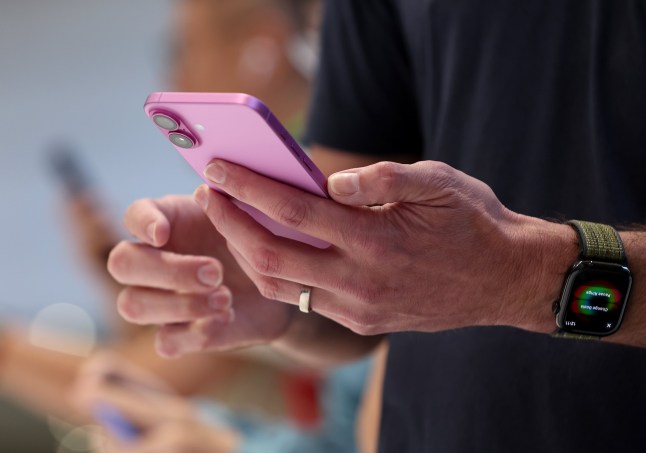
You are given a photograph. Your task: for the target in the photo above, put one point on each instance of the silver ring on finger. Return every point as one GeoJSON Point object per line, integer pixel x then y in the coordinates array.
{"type": "Point", "coordinates": [305, 299]}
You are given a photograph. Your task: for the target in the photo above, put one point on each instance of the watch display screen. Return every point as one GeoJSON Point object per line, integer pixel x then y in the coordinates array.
{"type": "Point", "coordinates": [595, 298]}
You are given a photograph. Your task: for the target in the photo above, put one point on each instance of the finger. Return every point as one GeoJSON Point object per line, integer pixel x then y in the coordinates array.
{"type": "Point", "coordinates": [142, 265]}
{"type": "Point", "coordinates": [321, 301]}
{"type": "Point", "coordinates": [152, 220]}
{"type": "Point", "coordinates": [289, 206]}
{"type": "Point", "coordinates": [266, 253]}
{"type": "Point", "coordinates": [389, 182]}
{"type": "Point", "coordinates": [269, 287]}
{"type": "Point", "coordinates": [147, 306]}
{"type": "Point", "coordinates": [175, 340]}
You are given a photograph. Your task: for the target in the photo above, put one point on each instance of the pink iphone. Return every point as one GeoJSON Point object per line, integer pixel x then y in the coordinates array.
{"type": "Point", "coordinates": [237, 128]}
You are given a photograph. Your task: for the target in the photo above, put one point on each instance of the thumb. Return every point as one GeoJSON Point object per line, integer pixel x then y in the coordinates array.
{"type": "Point", "coordinates": [389, 182]}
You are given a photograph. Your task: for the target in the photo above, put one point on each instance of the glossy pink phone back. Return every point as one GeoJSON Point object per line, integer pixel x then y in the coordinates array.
{"type": "Point", "coordinates": [239, 128]}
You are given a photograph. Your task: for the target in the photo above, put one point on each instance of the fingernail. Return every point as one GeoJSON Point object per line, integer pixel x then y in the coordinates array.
{"type": "Point", "coordinates": [209, 275]}
{"type": "Point", "coordinates": [220, 300]}
{"type": "Point", "coordinates": [150, 231]}
{"type": "Point", "coordinates": [201, 197]}
{"type": "Point", "coordinates": [215, 172]}
{"type": "Point", "coordinates": [343, 183]}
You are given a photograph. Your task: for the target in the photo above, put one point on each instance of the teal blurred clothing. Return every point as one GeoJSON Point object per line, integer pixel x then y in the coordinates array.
{"type": "Point", "coordinates": [339, 399]}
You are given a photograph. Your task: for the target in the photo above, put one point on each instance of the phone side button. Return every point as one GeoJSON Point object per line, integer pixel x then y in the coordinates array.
{"type": "Point", "coordinates": [306, 166]}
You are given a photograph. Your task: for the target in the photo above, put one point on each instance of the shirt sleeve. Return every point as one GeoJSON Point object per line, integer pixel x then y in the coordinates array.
{"type": "Point", "coordinates": [363, 100]}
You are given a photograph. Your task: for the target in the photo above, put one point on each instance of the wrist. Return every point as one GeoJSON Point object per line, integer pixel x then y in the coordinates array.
{"type": "Point", "coordinates": [544, 252]}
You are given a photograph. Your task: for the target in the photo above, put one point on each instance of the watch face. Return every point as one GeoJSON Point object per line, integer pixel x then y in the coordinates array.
{"type": "Point", "coordinates": [594, 298]}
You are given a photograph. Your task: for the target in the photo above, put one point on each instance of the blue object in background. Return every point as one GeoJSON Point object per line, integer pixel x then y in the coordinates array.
{"type": "Point", "coordinates": [115, 422]}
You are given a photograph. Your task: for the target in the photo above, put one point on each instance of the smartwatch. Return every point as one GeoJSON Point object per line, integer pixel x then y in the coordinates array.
{"type": "Point", "coordinates": [597, 288]}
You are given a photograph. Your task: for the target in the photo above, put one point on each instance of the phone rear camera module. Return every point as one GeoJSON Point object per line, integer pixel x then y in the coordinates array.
{"type": "Point", "coordinates": [165, 122]}
{"type": "Point", "coordinates": [181, 140]}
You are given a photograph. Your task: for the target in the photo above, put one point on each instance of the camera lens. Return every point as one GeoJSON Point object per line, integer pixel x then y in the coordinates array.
{"type": "Point", "coordinates": [165, 122]}
{"type": "Point", "coordinates": [181, 140]}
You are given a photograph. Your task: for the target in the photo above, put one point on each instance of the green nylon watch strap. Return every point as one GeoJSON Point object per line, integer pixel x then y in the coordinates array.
{"type": "Point", "coordinates": [599, 242]}
{"type": "Point", "coordinates": [573, 336]}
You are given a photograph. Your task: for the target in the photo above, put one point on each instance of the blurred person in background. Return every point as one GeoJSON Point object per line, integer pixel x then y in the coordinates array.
{"type": "Point", "coordinates": [266, 48]}
{"type": "Point", "coordinates": [160, 420]}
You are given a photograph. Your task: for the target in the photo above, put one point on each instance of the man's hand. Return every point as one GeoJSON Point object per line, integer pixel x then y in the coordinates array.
{"type": "Point", "coordinates": [414, 247]}
{"type": "Point", "coordinates": [181, 276]}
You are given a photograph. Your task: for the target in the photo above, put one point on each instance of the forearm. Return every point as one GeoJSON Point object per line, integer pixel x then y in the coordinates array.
{"type": "Point", "coordinates": [318, 342]}
{"type": "Point", "coordinates": [556, 247]}
{"type": "Point", "coordinates": [36, 377]}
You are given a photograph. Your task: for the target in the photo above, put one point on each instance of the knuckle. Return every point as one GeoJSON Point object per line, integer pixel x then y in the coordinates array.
{"type": "Point", "coordinates": [292, 212]}
{"type": "Point", "coordinates": [388, 175]}
{"type": "Point", "coordinates": [266, 262]}
{"type": "Point", "coordinates": [443, 175]}
{"type": "Point", "coordinates": [442, 169]}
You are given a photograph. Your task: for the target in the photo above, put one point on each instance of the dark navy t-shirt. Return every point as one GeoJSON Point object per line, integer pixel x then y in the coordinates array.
{"type": "Point", "coordinates": [545, 101]}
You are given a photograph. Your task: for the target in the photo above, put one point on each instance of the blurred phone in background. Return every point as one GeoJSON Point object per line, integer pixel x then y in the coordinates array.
{"type": "Point", "coordinates": [117, 425]}
{"type": "Point", "coordinates": [66, 167]}
{"type": "Point", "coordinates": [93, 230]}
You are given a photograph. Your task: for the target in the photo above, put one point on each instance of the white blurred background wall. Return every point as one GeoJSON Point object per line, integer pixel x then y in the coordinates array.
{"type": "Point", "coordinates": [78, 72]}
